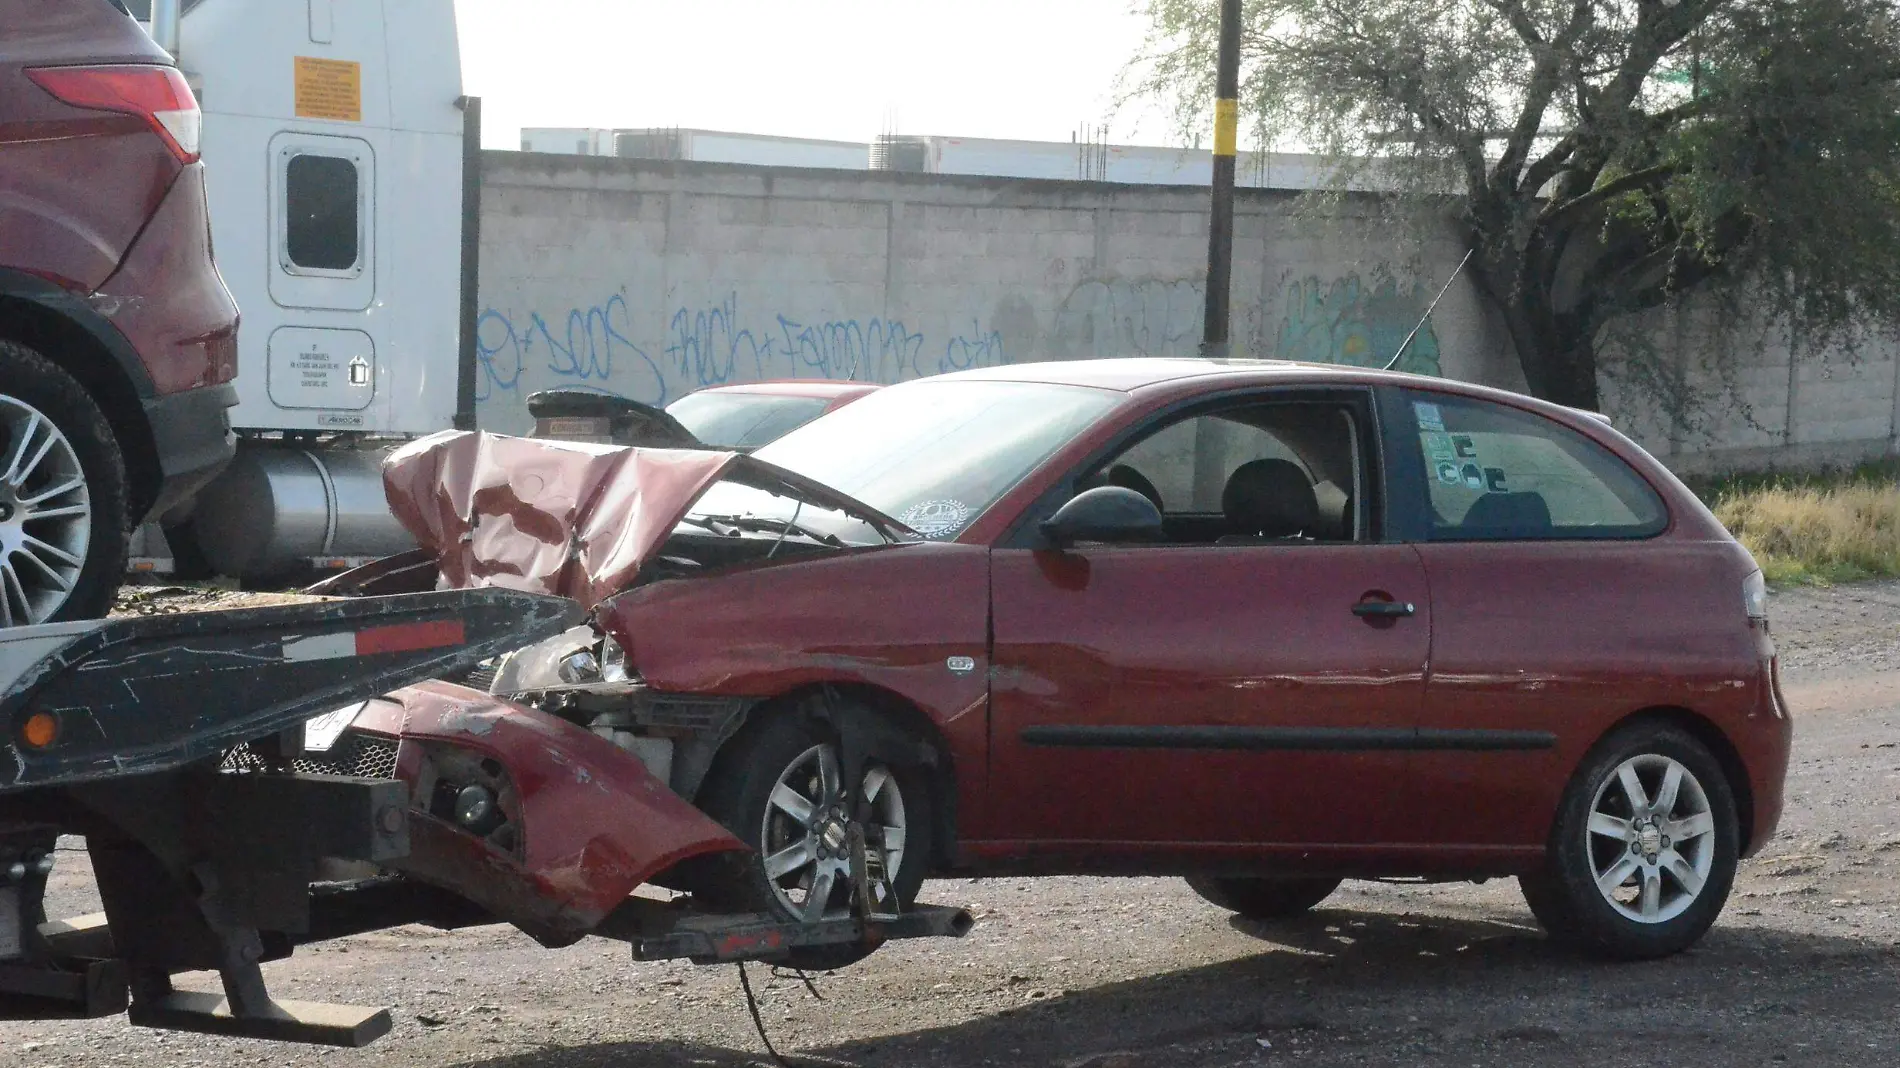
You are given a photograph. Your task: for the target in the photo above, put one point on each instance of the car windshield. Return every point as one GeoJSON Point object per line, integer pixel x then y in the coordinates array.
{"type": "Point", "coordinates": [932, 454]}
{"type": "Point", "coordinates": [743, 420]}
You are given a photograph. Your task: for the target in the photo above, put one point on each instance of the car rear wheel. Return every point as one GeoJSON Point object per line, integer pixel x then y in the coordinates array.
{"type": "Point", "coordinates": [1644, 848]}
{"type": "Point", "coordinates": [63, 535]}
{"type": "Point", "coordinates": [1263, 899]}
{"type": "Point", "coordinates": [780, 790]}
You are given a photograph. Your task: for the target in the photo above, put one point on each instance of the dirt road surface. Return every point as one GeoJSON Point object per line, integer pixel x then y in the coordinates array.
{"type": "Point", "coordinates": [1802, 969]}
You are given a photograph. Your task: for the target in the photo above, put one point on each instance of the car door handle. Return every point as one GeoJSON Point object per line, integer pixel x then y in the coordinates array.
{"type": "Point", "coordinates": [1384, 609]}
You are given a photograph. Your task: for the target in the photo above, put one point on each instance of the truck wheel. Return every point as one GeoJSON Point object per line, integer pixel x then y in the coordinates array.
{"type": "Point", "coordinates": [1644, 848]}
{"type": "Point", "coordinates": [779, 790]}
{"type": "Point", "coordinates": [63, 531]}
{"type": "Point", "coordinates": [1263, 899]}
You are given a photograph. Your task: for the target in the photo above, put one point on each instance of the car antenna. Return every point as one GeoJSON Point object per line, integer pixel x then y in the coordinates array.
{"type": "Point", "coordinates": [1423, 319]}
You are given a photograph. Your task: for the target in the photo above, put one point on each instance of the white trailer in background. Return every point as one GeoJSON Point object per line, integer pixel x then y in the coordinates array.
{"type": "Point", "coordinates": [337, 143]}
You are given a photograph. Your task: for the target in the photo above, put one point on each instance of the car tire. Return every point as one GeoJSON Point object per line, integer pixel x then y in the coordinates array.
{"type": "Point", "coordinates": [789, 749]}
{"type": "Point", "coordinates": [1262, 899]}
{"type": "Point", "coordinates": [1638, 872]}
{"type": "Point", "coordinates": [62, 554]}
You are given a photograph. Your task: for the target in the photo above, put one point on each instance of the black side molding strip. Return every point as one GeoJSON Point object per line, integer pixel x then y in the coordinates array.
{"type": "Point", "coordinates": [1345, 739]}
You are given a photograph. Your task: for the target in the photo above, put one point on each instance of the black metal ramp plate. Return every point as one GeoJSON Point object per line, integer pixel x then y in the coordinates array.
{"type": "Point", "coordinates": [308, 1022]}
{"type": "Point", "coordinates": [142, 695]}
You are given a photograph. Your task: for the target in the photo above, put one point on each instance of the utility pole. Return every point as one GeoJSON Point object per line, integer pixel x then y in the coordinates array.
{"type": "Point", "coordinates": [1220, 228]}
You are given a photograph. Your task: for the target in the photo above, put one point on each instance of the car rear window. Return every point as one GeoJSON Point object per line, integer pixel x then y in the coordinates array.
{"type": "Point", "coordinates": [743, 420]}
{"type": "Point", "coordinates": [1498, 473]}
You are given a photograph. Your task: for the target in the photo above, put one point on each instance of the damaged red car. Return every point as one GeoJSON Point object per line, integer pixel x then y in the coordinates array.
{"type": "Point", "coordinates": [1267, 626]}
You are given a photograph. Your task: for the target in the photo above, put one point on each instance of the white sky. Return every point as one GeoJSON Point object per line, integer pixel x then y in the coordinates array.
{"type": "Point", "coordinates": [840, 69]}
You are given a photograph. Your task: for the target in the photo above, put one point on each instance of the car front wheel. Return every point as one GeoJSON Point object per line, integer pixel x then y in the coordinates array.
{"type": "Point", "coordinates": [780, 789]}
{"type": "Point", "coordinates": [1644, 848]}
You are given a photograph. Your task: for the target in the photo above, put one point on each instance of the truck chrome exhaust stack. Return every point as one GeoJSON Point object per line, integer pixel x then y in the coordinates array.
{"type": "Point", "coordinates": [166, 25]}
{"type": "Point", "coordinates": [165, 15]}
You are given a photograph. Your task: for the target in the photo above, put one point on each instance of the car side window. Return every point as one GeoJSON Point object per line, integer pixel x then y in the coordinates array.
{"type": "Point", "coordinates": [1267, 473]}
{"type": "Point", "coordinates": [1497, 473]}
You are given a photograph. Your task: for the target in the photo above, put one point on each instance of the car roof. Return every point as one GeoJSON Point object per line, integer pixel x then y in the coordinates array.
{"type": "Point", "coordinates": [798, 387]}
{"type": "Point", "coordinates": [1138, 372]}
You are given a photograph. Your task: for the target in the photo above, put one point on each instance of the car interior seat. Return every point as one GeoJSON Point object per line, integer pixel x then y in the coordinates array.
{"type": "Point", "coordinates": [1508, 515]}
{"type": "Point", "coordinates": [1268, 500]}
{"type": "Point", "coordinates": [1128, 478]}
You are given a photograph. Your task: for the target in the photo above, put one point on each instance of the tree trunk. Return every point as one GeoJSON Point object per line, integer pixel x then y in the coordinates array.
{"type": "Point", "coordinates": [1559, 365]}
{"type": "Point", "coordinates": [1556, 350]}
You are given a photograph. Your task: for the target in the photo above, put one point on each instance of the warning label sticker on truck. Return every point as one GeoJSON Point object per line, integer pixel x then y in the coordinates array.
{"type": "Point", "coordinates": [329, 89]}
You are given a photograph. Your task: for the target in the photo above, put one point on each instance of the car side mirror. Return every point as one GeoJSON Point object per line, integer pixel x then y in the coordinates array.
{"type": "Point", "coordinates": [1112, 514]}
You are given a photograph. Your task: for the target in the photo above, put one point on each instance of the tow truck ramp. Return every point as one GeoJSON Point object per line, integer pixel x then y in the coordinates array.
{"type": "Point", "coordinates": [119, 730]}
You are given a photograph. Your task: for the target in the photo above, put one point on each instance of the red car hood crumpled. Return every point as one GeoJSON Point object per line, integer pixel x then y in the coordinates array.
{"type": "Point", "coordinates": [564, 518]}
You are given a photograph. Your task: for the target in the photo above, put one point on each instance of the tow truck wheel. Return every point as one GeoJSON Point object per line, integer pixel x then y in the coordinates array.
{"type": "Point", "coordinates": [780, 789]}
{"type": "Point", "coordinates": [63, 534]}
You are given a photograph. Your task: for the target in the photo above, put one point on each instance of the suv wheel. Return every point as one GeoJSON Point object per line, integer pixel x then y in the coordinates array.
{"type": "Point", "coordinates": [1643, 850]}
{"type": "Point", "coordinates": [63, 532]}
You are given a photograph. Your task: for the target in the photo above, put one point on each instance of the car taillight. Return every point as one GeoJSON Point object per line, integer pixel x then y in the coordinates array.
{"type": "Point", "coordinates": [156, 94]}
{"type": "Point", "coordinates": [1755, 597]}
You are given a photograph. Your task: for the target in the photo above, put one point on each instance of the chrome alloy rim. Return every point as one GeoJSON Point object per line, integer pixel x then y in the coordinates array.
{"type": "Point", "coordinates": [45, 515]}
{"type": "Point", "coordinates": [1651, 839]}
{"type": "Point", "coordinates": [806, 833]}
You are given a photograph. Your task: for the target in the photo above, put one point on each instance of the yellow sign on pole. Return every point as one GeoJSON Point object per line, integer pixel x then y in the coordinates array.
{"type": "Point", "coordinates": [329, 89]}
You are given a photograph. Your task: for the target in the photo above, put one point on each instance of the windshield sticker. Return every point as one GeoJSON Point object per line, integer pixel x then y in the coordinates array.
{"type": "Point", "coordinates": [1473, 477]}
{"type": "Point", "coordinates": [1427, 415]}
{"type": "Point", "coordinates": [1448, 474]}
{"type": "Point", "coordinates": [1466, 449]}
{"type": "Point", "coordinates": [1494, 480]}
{"type": "Point", "coordinates": [934, 519]}
{"type": "Point", "coordinates": [1438, 446]}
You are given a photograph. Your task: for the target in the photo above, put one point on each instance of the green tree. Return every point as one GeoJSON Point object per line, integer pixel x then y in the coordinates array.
{"type": "Point", "coordinates": [1607, 156]}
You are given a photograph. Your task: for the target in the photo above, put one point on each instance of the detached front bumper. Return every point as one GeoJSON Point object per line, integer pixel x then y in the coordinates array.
{"type": "Point", "coordinates": [540, 822]}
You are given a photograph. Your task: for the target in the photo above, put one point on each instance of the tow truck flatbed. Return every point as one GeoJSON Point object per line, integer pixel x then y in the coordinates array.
{"type": "Point", "coordinates": [122, 731]}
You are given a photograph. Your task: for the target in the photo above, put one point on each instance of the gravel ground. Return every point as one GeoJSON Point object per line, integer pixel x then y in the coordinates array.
{"type": "Point", "coordinates": [1132, 973]}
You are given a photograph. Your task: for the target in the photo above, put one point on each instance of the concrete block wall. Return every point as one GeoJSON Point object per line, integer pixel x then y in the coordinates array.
{"type": "Point", "coordinates": [651, 279]}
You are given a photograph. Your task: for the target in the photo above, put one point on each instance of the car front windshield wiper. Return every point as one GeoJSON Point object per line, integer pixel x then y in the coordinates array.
{"type": "Point", "coordinates": [766, 523]}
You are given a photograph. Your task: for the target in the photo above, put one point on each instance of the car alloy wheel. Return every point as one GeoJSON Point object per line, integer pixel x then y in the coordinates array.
{"type": "Point", "coordinates": [805, 834]}
{"type": "Point", "coordinates": [1651, 839]}
{"type": "Point", "coordinates": [1642, 849]}
{"type": "Point", "coordinates": [45, 515]}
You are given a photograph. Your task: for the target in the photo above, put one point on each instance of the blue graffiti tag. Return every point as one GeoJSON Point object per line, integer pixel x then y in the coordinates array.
{"type": "Point", "coordinates": [584, 351]}
{"type": "Point", "coordinates": [593, 348]}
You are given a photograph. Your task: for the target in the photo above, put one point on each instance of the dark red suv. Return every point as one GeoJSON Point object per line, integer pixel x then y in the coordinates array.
{"type": "Point", "coordinates": [118, 339]}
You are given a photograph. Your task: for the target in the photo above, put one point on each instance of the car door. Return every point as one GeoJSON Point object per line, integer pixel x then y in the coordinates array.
{"type": "Point", "coordinates": [1554, 609]}
{"type": "Point", "coordinates": [1207, 695]}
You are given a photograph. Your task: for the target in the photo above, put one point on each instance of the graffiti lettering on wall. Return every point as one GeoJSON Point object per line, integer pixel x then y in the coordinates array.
{"type": "Point", "coordinates": [710, 345]}
{"type": "Point", "coordinates": [590, 348]}
{"type": "Point", "coordinates": [1130, 318]}
{"type": "Point", "coordinates": [1347, 321]}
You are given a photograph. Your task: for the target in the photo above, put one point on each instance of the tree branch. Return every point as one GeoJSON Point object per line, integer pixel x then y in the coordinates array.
{"type": "Point", "coordinates": [1557, 214]}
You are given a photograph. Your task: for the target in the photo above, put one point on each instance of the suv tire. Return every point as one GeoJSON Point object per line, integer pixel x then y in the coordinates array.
{"type": "Point", "coordinates": [62, 551]}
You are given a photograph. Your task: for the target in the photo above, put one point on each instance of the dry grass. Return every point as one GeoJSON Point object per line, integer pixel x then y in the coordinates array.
{"type": "Point", "coordinates": [1833, 527]}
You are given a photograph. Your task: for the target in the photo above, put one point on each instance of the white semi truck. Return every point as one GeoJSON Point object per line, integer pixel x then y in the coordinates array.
{"type": "Point", "coordinates": [343, 166]}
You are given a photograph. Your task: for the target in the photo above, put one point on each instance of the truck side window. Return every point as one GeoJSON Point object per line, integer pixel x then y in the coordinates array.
{"type": "Point", "coordinates": [321, 197]}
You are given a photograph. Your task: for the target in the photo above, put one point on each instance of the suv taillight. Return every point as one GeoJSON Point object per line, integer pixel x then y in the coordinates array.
{"type": "Point", "coordinates": [156, 94]}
